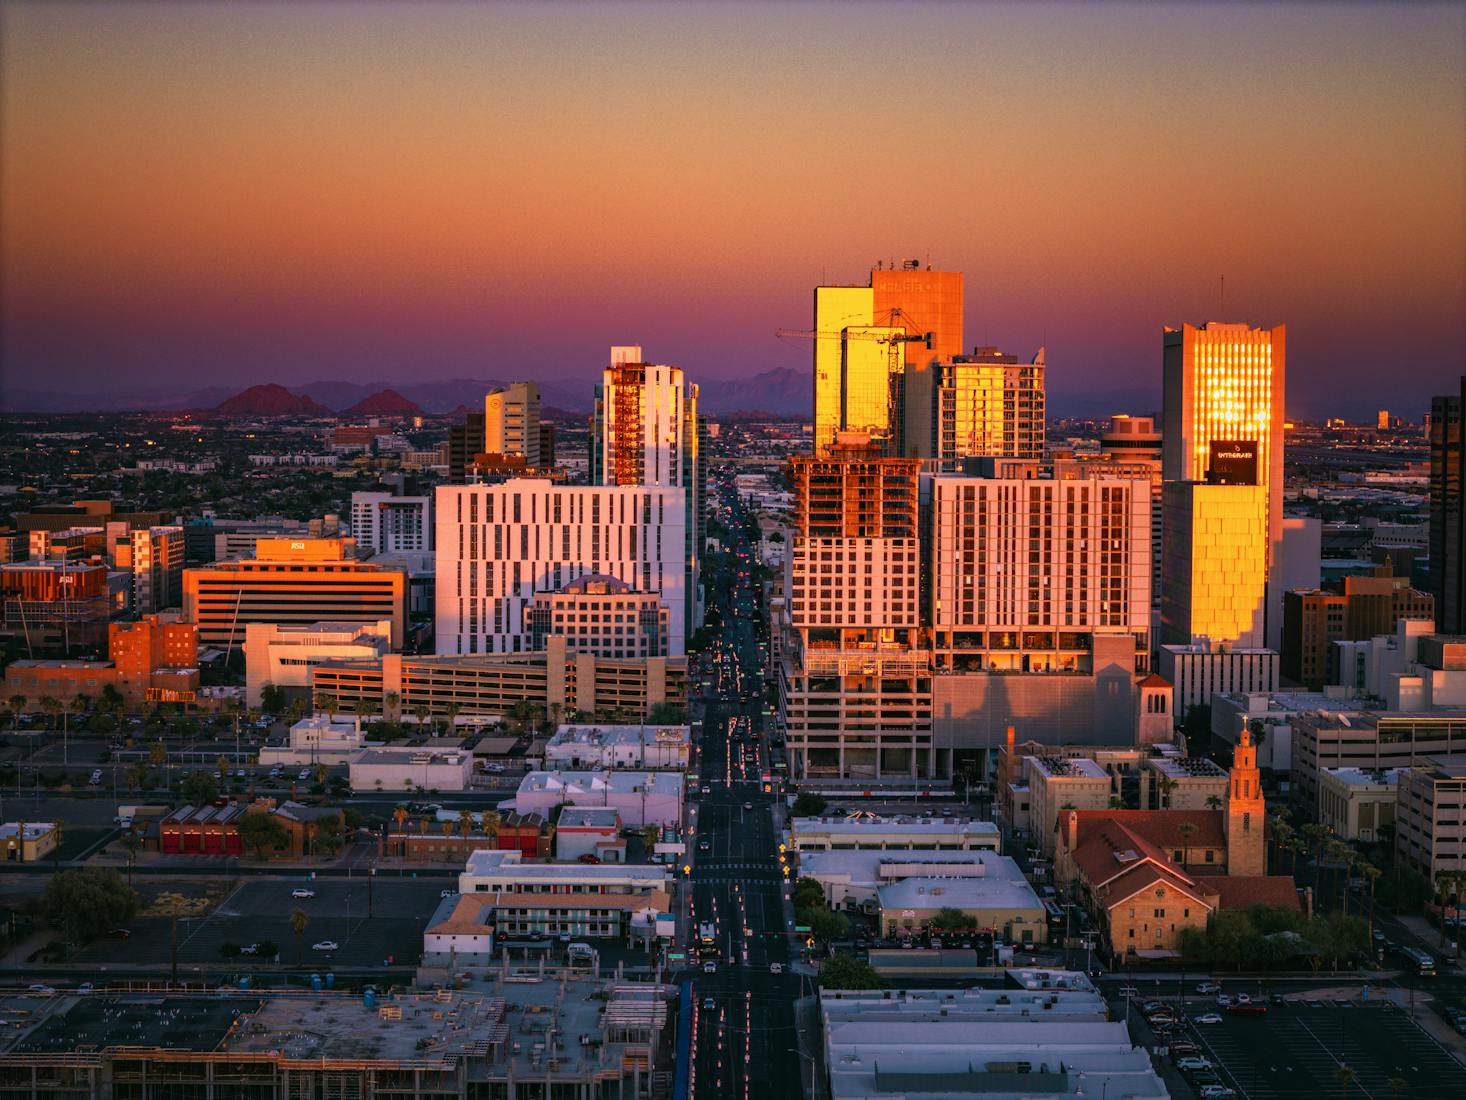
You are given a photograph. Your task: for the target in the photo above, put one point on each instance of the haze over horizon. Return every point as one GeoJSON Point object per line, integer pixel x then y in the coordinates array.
{"type": "Point", "coordinates": [210, 195]}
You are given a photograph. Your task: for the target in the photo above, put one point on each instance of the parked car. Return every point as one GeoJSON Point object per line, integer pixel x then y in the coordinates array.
{"type": "Point", "coordinates": [302, 892]}
{"type": "Point", "coordinates": [250, 949]}
{"type": "Point", "coordinates": [493, 766]}
{"type": "Point", "coordinates": [1216, 1092]}
{"type": "Point", "coordinates": [1208, 987]}
{"type": "Point", "coordinates": [447, 893]}
{"type": "Point", "coordinates": [1192, 1065]}
{"type": "Point", "coordinates": [120, 933]}
{"type": "Point", "coordinates": [1242, 999]}
{"type": "Point", "coordinates": [1152, 1006]}
{"type": "Point", "coordinates": [1248, 1010]}
{"type": "Point", "coordinates": [96, 779]}
{"type": "Point", "coordinates": [1129, 991]}
{"type": "Point", "coordinates": [1224, 999]}
{"type": "Point", "coordinates": [776, 968]}
{"type": "Point", "coordinates": [1207, 1018]}
{"type": "Point", "coordinates": [305, 773]}
{"type": "Point", "coordinates": [41, 989]}
{"type": "Point", "coordinates": [326, 945]}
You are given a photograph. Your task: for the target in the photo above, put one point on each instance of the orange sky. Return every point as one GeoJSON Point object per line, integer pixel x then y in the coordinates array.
{"type": "Point", "coordinates": [220, 192]}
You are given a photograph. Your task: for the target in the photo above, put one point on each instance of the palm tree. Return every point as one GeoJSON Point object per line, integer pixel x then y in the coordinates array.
{"type": "Point", "coordinates": [132, 843]}
{"type": "Point", "coordinates": [1185, 829]}
{"type": "Point", "coordinates": [362, 708]}
{"type": "Point", "coordinates": [1398, 1086]}
{"type": "Point", "coordinates": [158, 757]}
{"type": "Point", "coordinates": [173, 906]}
{"type": "Point", "coordinates": [328, 703]}
{"type": "Point", "coordinates": [1370, 873]}
{"type": "Point", "coordinates": [300, 920]}
{"type": "Point", "coordinates": [1213, 802]}
{"type": "Point", "coordinates": [133, 775]}
{"type": "Point", "coordinates": [1167, 785]}
{"type": "Point", "coordinates": [1345, 1076]}
{"type": "Point", "coordinates": [390, 702]}
{"type": "Point", "coordinates": [421, 712]}
{"type": "Point", "coordinates": [451, 710]}
{"type": "Point", "coordinates": [17, 704]}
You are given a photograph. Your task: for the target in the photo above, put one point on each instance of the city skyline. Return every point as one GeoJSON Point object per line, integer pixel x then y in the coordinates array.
{"type": "Point", "coordinates": [290, 195]}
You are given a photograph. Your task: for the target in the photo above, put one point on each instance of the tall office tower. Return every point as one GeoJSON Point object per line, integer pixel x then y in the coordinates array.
{"type": "Point", "coordinates": [1222, 386]}
{"type": "Point", "coordinates": [499, 547]}
{"type": "Point", "coordinates": [986, 404]}
{"type": "Point", "coordinates": [864, 336]}
{"type": "Point", "coordinates": [855, 685]}
{"type": "Point", "coordinates": [465, 442]}
{"type": "Point", "coordinates": [300, 581]}
{"type": "Point", "coordinates": [1214, 567]}
{"type": "Point", "coordinates": [1447, 518]}
{"type": "Point", "coordinates": [1029, 570]}
{"type": "Point", "coordinates": [644, 433]}
{"type": "Point", "coordinates": [154, 556]}
{"type": "Point", "coordinates": [386, 523]}
{"type": "Point", "coordinates": [512, 422]}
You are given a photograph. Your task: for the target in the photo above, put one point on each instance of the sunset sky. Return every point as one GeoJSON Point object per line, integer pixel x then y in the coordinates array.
{"type": "Point", "coordinates": [216, 194]}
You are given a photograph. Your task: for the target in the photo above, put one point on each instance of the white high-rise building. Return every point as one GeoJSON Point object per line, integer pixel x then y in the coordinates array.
{"type": "Point", "coordinates": [1027, 570]}
{"type": "Point", "coordinates": [388, 524]}
{"type": "Point", "coordinates": [512, 422]}
{"type": "Point", "coordinates": [500, 545]}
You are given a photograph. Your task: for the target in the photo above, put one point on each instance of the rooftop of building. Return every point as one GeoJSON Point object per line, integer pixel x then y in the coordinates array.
{"type": "Point", "coordinates": [34, 830]}
{"type": "Point", "coordinates": [603, 735]}
{"type": "Point", "coordinates": [324, 631]}
{"type": "Point", "coordinates": [1448, 767]}
{"type": "Point", "coordinates": [405, 757]}
{"type": "Point", "coordinates": [1186, 767]}
{"type": "Point", "coordinates": [1203, 649]}
{"type": "Point", "coordinates": [59, 664]}
{"type": "Point", "coordinates": [591, 783]}
{"type": "Point", "coordinates": [868, 823]}
{"type": "Point", "coordinates": [863, 865]}
{"type": "Point", "coordinates": [958, 893]}
{"type": "Point", "coordinates": [589, 817]}
{"type": "Point", "coordinates": [500, 861]}
{"type": "Point", "coordinates": [1366, 777]}
{"type": "Point", "coordinates": [1068, 767]}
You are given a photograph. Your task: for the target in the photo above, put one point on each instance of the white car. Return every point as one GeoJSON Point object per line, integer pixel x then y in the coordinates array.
{"type": "Point", "coordinates": [493, 766]}
{"type": "Point", "coordinates": [326, 945]}
{"type": "Point", "coordinates": [1242, 999]}
{"type": "Point", "coordinates": [1224, 1000]}
{"type": "Point", "coordinates": [302, 892]}
{"type": "Point", "coordinates": [96, 779]}
{"type": "Point", "coordinates": [1208, 987]}
{"type": "Point", "coordinates": [448, 894]}
{"type": "Point", "coordinates": [305, 773]}
{"type": "Point", "coordinates": [776, 968]}
{"type": "Point", "coordinates": [1193, 1065]}
{"type": "Point", "coordinates": [1207, 1018]}
{"type": "Point", "coordinates": [707, 968]}
{"type": "Point", "coordinates": [250, 949]}
{"type": "Point", "coordinates": [1216, 1092]}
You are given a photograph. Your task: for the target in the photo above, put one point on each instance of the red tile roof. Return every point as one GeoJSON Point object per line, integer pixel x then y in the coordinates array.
{"type": "Point", "coordinates": [1160, 827]}
{"type": "Point", "coordinates": [1243, 891]}
{"type": "Point", "coordinates": [1148, 875]}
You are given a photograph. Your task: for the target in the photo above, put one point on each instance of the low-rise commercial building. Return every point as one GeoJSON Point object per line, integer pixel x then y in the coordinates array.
{"type": "Point", "coordinates": [612, 900]}
{"type": "Point", "coordinates": [460, 931]}
{"type": "Point", "coordinates": [871, 832]}
{"type": "Point", "coordinates": [1054, 1041]}
{"type": "Point", "coordinates": [28, 841]}
{"type": "Point", "coordinates": [619, 746]}
{"type": "Point", "coordinates": [411, 769]}
{"type": "Point", "coordinates": [591, 834]}
{"type": "Point", "coordinates": [319, 739]}
{"type": "Point", "coordinates": [284, 656]}
{"type": "Point", "coordinates": [642, 798]}
{"type": "Point", "coordinates": [1355, 804]}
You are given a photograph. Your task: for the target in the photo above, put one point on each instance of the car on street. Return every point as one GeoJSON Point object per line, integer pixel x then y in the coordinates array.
{"type": "Point", "coordinates": [96, 779]}
{"type": "Point", "coordinates": [1224, 999]}
{"type": "Point", "coordinates": [1207, 1018]}
{"type": "Point", "coordinates": [302, 892]}
{"type": "Point", "coordinates": [1192, 1064]}
{"type": "Point", "coordinates": [1208, 987]}
{"type": "Point", "coordinates": [776, 968]}
{"type": "Point", "coordinates": [43, 990]}
{"type": "Point", "coordinates": [447, 893]}
{"type": "Point", "coordinates": [709, 968]}
{"type": "Point", "coordinates": [326, 945]}
{"type": "Point", "coordinates": [706, 789]}
{"type": "Point", "coordinates": [709, 1004]}
{"type": "Point", "coordinates": [1216, 1092]}
{"type": "Point", "coordinates": [250, 949]}
{"type": "Point", "coordinates": [305, 773]}
{"type": "Point", "coordinates": [1180, 1048]}
{"type": "Point", "coordinates": [1152, 1006]}
{"type": "Point", "coordinates": [1242, 999]}
{"type": "Point", "coordinates": [494, 766]}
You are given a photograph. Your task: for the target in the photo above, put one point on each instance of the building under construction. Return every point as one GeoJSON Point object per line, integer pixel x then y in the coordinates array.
{"type": "Point", "coordinates": [523, 1037]}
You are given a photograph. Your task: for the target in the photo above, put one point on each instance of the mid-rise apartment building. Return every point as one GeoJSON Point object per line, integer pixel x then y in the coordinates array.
{"type": "Point", "coordinates": [386, 523]}
{"type": "Point", "coordinates": [1314, 619]}
{"type": "Point", "coordinates": [154, 556]}
{"type": "Point", "coordinates": [983, 404]}
{"type": "Point", "coordinates": [855, 685]}
{"type": "Point", "coordinates": [1026, 570]}
{"type": "Point", "coordinates": [501, 549]}
{"type": "Point", "coordinates": [1447, 517]}
{"type": "Point", "coordinates": [293, 581]}
{"type": "Point", "coordinates": [1430, 816]}
{"type": "Point", "coordinates": [601, 615]}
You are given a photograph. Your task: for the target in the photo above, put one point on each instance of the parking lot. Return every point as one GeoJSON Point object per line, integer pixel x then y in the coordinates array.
{"type": "Point", "coordinates": [259, 910]}
{"type": "Point", "coordinates": [1299, 1048]}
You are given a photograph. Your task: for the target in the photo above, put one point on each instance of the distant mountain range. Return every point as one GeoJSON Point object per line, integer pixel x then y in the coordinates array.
{"type": "Point", "coordinates": [782, 392]}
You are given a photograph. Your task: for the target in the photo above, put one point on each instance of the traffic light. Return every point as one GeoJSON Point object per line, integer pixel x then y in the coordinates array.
{"type": "Point", "coordinates": [687, 868]}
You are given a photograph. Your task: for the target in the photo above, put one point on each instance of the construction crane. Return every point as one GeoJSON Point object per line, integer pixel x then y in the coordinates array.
{"type": "Point", "coordinates": [857, 332]}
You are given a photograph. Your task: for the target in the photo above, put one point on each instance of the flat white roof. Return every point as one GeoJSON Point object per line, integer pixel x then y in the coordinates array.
{"type": "Point", "coordinates": [925, 826]}
{"type": "Point", "coordinates": [488, 863]}
{"type": "Point", "coordinates": [958, 893]}
{"type": "Point", "coordinates": [599, 782]}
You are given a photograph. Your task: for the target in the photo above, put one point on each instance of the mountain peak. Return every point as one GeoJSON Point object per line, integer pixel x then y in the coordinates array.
{"type": "Point", "coordinates": [384, 403]}
{"type": "Point", "coordinates": [270, 399]}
